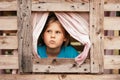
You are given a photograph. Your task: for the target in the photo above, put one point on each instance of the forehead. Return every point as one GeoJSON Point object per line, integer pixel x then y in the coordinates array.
{"type": "Point", "coordinates": [55, 26]}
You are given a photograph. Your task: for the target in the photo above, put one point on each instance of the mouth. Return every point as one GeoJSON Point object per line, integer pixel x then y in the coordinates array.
{"type": "Point", "coordinates": [52, 41]}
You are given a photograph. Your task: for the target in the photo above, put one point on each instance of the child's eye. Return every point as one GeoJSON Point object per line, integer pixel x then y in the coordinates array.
{"type": "Point", "coordinates": [58, 32]}
{"type": "Point", "coordinates": [49, 31]}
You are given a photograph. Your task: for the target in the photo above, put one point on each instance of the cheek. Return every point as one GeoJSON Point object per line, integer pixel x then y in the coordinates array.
{"type": "Point", "coordinates": [45, 37]}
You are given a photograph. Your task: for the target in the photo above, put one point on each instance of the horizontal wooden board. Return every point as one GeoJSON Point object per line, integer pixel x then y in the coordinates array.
{"type": "Point", "coordinates": [8, 62]}
{"type": "Point", "coordinates": [84, 1]}
{"type": "Point", "coordinates": [111, 1]}
{"type": "Point", "coordinates": [60, 6]}
{"type": "Point", "coordinates": [111, 23]}
{"type": "Point", "coordinates": [112, 62]}
{"type": "Point", "coordinates": [8, 42]}
{"type": "Point", "coordinates": [8, 23]}
{"type": "Point", "coordinates": [8, 5]}
{"type": "Point", "coordinates": [111, 42]}
{"type": "Point", "coordinates": [60, 66]}
{"type": "Point", "coordinates": [112, 7]}
{"type": "Point", "coordinates": [11, 5]}
{"type": "Point", "coordinates": [60, 77]}
{"type": "Point", "coordinates": [11, 62]}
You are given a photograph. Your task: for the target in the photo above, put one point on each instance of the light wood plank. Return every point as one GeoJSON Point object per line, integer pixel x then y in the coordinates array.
{"type": "Point", "coordinates": [8, 61]}
{"type": "Point", "coordinates": [8, 42]}
{"type": "Point", "coordinates": [83, 1]}
{"type": "Point", "coordinates": [60, 66]}
{"type": "Point", "coordinates": [8, 23]}
{"type": "Point", "coordinates": [25, 42]}
{"type": "Point", "coordinates": [12, 5]}
{"type": "Point", "coordinates": [111, 42]}
{"type": "Point", "coordinates": [112, 23]}
{"type": "Point", "coordinates": [96, 35]}
{"type": "Point", "coordinates": [11, 62]}
{"type": "Point", "coordinates": [112, 1]}
{"type": "Point", "coordinates": [112, 7]}
{"type": "Point", "coordinates": [112, 62]}
{"type": "Point", "coordinates": [8, 5]}
{"type": "Point", "coordinates": [60, 6]}
{"type": "Point", "coordinates": [116, 52]}
{"type": "Point", "coordinates": [60, 77]}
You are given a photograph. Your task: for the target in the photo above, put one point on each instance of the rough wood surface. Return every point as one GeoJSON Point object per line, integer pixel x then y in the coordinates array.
{"type": "Point", "coordinates": [96, 35]}
{"type": "Point", "coordinates": [8, 5]}
{"type": "Point", "coordinates": [8, 23]}
{"type": "Point", "coordinates": [60, 66]}
{"type": "Point", "coordinates": [111, 23]}
{"type": "Point", "coordinates": [60, 6]}
{"type": "Point", "coordinates": [25, 47]}
{"type": "Point", "coordinates": [60, 77]}
{"type": "Point", "coordinates": [111, 42]}
{"type": "Point", "coordinates": [11, 5]}
{"type": "Point", "coordinates": [8, 42]}
{"type": "Point", "coordinates": [11, 62]}
{"type": "Point", "coordinates": [112, 62]}
{"type": "Point", "coordinates": [8, 61]}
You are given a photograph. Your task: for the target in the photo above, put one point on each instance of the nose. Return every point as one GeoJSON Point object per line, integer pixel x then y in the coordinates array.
{"type": "Point", "coordinates": [53, 35]}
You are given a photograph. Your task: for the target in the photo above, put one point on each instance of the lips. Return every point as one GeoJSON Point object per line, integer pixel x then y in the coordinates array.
{"type": "Point", "coordinates": [52, 41]}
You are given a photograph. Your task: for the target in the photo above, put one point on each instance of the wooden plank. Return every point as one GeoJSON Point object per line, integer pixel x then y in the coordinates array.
{"type": "Point", "coordinates": [8, 23]}
{"type": "Point", "coordinates": [10, 5]}
{"type": "Point", "coordinates": [112, 7]}
{"type": "Point", "coordinates": [8, 61]}
{"type": "Point", "coordinates": [11, 62]}
{"type": "Point", "coordinates": [60, 77]}
{"type": "Point", "coordinates": [111, 42]}
{"type": "Point", "coordinates": [8, 42]}
{"type": "Point", "coordinates": [68, 5]}
{"type": "Point", "coordinates": [96, 35]}
{"type": "Point", "coordinates": [84, 6]}
{"type": "Point", "coordinates": [50, 65]}
{"type": "Point", "coordinates": [25, 48]}
{"type": "Point", "coordinates": [112, 1]}
{"type": "Point", "coordinates": [83, 1]}
{"type": "Point", "coordinates": [65, 6]}
{"type": "Point", "coordinates": [112, 62]}
{"type": "Point", "coordinates": [112, 23]}
{"type": "Point", "coordinates": [116, 52]}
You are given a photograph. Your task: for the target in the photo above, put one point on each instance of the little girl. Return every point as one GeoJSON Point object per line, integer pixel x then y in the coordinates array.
{"type": "Point", "coordinates": [54, 41]}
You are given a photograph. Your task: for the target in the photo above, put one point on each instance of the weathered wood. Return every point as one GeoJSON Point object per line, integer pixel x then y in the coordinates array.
{"type": "Point", "coordinates": [10, 5]}
{"type": "Point", "coordinates": [96, 35]}
{"type": "Point", "coordinates": [8, 23]}
{"type": "Point", "coordinates": [83, 1]}
{"type": "Point", "coordinates": [25, 48]}
{"type": "Point", "coordinates": [9, 62]}
{"type": "Point", "coordinates": [116, 51]}
{"type": "Point", "coordinates": [112, 1]}
{"type": "Point", "coordinates": [8, 42]}
{"type": "Point", "coordinates": [112, 62]}
{"type": "Point", "coordinates": [111, 42]}
{"type": "Point", "coordinates": [60, 66]}
{"type": "Point", "coordinates": [60, 77]}
{"type": "Point", "coordinates": [112, 23]}
{"type": "Point", "coordinates": [112, 7]}
{"type": "Point", "coordinates": [60, 6]}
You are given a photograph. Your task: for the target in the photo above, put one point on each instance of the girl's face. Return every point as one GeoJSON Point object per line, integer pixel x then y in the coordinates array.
{"type": "Point", "coordinates": [54, 35]}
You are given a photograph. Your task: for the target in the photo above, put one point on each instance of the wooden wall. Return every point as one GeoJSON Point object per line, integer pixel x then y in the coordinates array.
{"type": "Point", "coordinates": [9, 41]}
